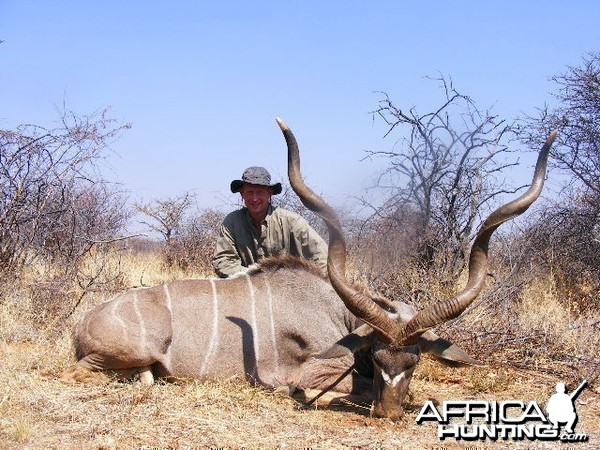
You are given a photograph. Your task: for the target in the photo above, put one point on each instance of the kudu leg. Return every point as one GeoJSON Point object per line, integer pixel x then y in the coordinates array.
{"type": "Point", "coordinates": [146, 376]}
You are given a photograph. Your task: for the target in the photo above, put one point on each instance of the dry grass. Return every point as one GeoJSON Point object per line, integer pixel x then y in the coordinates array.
{"type": "Point", "coordinates": [37, 411]}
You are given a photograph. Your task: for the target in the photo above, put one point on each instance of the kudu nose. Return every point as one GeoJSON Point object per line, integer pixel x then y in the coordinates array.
{"type": "Point", "coordinates": [394, 413]}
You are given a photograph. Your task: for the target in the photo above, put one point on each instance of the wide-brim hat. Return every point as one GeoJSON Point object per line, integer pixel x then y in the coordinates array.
{"type": "Point", "coordinates": [256, 175]}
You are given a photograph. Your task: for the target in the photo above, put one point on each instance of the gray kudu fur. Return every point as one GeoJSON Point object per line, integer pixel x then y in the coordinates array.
{"type": "Point", "coordinates": [282, 324]}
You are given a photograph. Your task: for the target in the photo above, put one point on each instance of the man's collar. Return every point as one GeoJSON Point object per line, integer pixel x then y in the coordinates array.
{"type": "Point", "coordinates": [270, 210]}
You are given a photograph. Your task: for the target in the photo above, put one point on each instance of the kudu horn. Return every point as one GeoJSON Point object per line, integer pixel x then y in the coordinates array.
{"type": "Point", "coordinates": [357, 302]}
{"type": "Point", "coordinates": [478, 261]}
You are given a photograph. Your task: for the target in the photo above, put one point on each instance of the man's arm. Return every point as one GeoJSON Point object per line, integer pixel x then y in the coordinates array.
{"type": "Point", "coordinates": [226, 260]}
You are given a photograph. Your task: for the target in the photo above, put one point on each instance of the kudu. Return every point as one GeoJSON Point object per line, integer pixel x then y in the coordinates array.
{"type": "Point", "coordinates": [282, 323]}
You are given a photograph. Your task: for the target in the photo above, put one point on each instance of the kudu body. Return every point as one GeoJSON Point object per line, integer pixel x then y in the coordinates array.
{"type": "Point", "coordinates": [282, 324]}
{"type": "Point", "coordinates": [261, 325]}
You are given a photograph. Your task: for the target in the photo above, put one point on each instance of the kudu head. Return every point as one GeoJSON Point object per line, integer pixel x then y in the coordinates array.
{"type": "Point", "coordinates": [395, 333]}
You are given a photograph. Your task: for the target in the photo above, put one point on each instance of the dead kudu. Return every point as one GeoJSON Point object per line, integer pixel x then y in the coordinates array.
{"type": "Point", "coordinates": [282, 323]}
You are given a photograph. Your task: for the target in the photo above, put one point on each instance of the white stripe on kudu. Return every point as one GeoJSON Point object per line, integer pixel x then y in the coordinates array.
{"type": "Point", "coordinates": [214, 335]}
{"type": "Point", "coordinates": [169, 303]}
{"type": "Point", "coordinates": [140, 320]}
{"type": "Point", "coordinates": [253, 318]}
{"type": "Point", "coordinates": [116, 317]}
{"type": "Point", "coordinates": [272, 324]}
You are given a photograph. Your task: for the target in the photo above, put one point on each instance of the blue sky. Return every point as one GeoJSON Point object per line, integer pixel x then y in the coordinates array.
{"type": "Point", "coordinates": [202, 82]}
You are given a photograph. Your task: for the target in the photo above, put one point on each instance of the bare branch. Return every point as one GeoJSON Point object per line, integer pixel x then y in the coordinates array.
{"type": "Point", "coordinates": [440, 167]}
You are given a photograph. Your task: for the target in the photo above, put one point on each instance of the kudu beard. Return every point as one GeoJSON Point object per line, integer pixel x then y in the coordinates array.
{"type": "Point", "coordinates": [506, 420]}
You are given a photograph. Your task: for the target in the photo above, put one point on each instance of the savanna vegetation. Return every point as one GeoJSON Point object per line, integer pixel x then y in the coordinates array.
{"type": "Point", "coordinates": [64, 247]}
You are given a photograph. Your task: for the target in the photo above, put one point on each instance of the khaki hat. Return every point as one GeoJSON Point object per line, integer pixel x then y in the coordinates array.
{"type": "Point", "coordinates": [256, 175]}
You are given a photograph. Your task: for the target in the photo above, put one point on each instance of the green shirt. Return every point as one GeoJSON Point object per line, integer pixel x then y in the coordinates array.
{"type": "Point", "coordinates": [282, 231]}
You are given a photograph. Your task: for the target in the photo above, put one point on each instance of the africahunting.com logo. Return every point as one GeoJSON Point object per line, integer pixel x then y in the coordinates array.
{"type": "Point", "coordinates": [473, 420]}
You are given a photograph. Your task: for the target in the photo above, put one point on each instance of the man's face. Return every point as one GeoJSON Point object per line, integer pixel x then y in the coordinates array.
{"type": "Point", "coordinates": [256, 198]}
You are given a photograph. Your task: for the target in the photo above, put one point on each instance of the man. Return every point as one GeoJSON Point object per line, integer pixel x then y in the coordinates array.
{"type": "Point", "coordinates": [561, 408]}
{"type": "Point", "coordinates": [259, 230]}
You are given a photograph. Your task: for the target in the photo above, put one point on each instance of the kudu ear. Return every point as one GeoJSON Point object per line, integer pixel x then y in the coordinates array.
{"type": "Point", "coordinates": [445, 351]}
